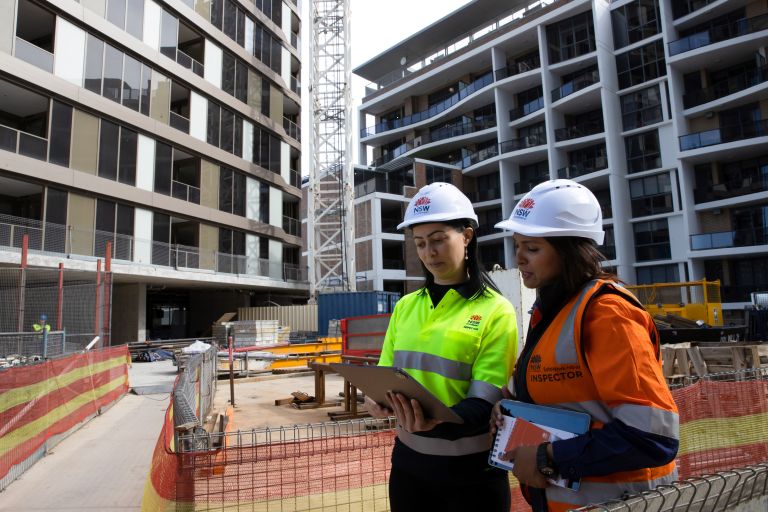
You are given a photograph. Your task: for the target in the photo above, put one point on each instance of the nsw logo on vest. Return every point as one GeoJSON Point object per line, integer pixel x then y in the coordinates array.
{"type": "Point", "coordinates": [421, 205]}
{"type": "Point", "coordinates": [524, 209]}
{"type": "Point", "coordinates": [473, 324]}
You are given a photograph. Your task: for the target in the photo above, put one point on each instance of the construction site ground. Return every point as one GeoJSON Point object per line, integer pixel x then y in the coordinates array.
{"type": "Point", "coordinates": [103, 466]}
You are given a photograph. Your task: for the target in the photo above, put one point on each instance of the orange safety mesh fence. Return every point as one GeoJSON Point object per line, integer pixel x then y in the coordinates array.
{"type": "Point", "coordinates": [345, 465]}
{"type": "Point", "coordinates": [40, 402]}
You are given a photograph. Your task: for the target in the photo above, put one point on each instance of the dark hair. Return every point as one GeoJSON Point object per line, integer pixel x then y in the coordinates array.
{"type": "Point", "coordinates": [581, 261]}
{"type": "Point", "coordinates": [478, 278]}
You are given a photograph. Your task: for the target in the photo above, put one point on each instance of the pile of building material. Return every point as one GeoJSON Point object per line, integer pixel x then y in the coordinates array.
{"type": "Point", "coordinates": [288, 356]}
{"type": "Point", "coordinates": [18, 360]}
{"type": "Point", "coordinates": [676, 329]}
{"type": "Point", "coordinates": [690, 359]}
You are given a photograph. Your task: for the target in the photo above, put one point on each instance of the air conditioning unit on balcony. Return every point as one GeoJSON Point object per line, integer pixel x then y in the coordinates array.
{"type": "Point", "coordinates": [417, 142]}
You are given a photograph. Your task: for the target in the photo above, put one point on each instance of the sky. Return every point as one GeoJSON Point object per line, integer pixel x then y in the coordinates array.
{"type": "Point", "coordinates": [375, 26]}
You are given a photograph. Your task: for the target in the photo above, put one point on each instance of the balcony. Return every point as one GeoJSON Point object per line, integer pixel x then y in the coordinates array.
{"type": "Point", "coordinates": [291, 225]}
{"type": "Point", "coordinates": [456, 130]}
{"type": "Point", "coordinates": [392, 154]}
{"type": "Point", "coordinates": [727, 87]}
{"type": "Point", "coordinates": [725, 239]}
{"type": "Point", "coordinates": [525, 185]}
{"type": "Point", "coordinates": [432, 111]}
{"type": "Point", "coordinates": [296, 41]}
{"type": "Point", "coordinates": [579, 130]}
{"type": "Point", "coordinates": [185, 192]}
{"type": "Point", "coordinates": [188, 62]}
{"type": "Point", "coordinates": [379, 184]}
{"type": "Point", "coordinates": [724, 134]}
{"type": "Point", "coordinates": [175, 255]}
{"type": "Point", "coordinates": [518, 68]}
{"type": "Point", "coordinates": [578, 83]}
{"type": "Point", "coordinates": [682, 8]}
{"type": "Point", "coordinates": [719, 33]}
{"type": "Point", "coordinates": [529, 141]}
{"type": "Point", "coordinates": [34, 55]}
{"type": "Point", "coordinates": [488, 194]}
{"type": "Point", "coordinates": [479, 156]}
{"type": "Point", "coordinates": [23, 143]}
{"type": "Point", "coordinates": [748, 185]}
{"type": "Point", "coordinates": [295, 177]}
{"type": "Point", "coordinates": [295, 85]}
{"type": "Point", "coordinates": [526, 109]}
{"type": "Point", "coordinates": [582, 168]}
{"type": "Point", "coordinates": [292, 129]}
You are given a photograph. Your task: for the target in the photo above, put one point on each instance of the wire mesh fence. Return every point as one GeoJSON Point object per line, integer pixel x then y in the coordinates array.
{"type": "Point", "coordinates": [194, 392]}
{"type": "Point", "coordinates": [50, 312]}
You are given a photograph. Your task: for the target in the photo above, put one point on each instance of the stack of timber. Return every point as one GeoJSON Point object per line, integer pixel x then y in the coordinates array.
{"type": "Point", "coordinates": [691, 359]}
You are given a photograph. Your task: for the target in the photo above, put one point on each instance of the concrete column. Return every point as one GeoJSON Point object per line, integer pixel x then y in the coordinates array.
{"type": "Point", "coordinates": [129, 312]}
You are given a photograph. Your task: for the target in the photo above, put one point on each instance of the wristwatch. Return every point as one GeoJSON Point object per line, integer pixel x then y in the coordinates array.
{"type": "Point", "coordinates": [543, 463]}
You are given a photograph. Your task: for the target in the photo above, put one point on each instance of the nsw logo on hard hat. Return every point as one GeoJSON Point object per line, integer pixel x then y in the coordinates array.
{"type": "Point", "coordinates": [524, 208]}
{"type": "Point", "coordinates": [421, 205]}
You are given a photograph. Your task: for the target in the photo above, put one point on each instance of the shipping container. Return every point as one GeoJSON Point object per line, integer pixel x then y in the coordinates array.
{"type": "Point", "coordinates": [335, 306]}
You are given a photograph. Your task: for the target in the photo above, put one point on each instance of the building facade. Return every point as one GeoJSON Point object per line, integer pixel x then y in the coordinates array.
{"type": "Point", "coordinates": [168, 128]}
{"type": "Point", "coordinates": [660, 107]}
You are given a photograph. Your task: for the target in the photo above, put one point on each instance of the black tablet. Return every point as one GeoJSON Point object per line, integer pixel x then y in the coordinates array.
{"type": "Point", "coordinates": [375, 381]}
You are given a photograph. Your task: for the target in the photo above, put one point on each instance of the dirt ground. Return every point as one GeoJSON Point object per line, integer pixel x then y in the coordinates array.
{"type": "Point", "coordinates": [255, 400]}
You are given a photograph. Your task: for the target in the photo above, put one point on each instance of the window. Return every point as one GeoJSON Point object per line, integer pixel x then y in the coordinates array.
{"type": "Point", "coordinates": [652, 240]}
{"type": "Point", "coordinates": [133, 23]}
{"type": "Point", "coordinates": [531, 175]}
{"type": "Point", "coordinates": [113, 74]}
{"type": "Point", "coordinates": [434, 173]}
{"type": "Point", "coordinates": [658, 274]}
{"type": "Point", "coordinates": [169, 35]}
{"type": "Point", "coordinates": [264, 208]}
{"type": "Point", "coordinates": [161, 238]}
{"type": "Point", "coordinates": [266, 150]}
{"type": "Point", "coordinates": [61, 134]}
{"type": "Point", "coordinates": [641, 64]}
{"type": "Point", "coordinates": [94, 60]}
{"type": "Point", "coordinates": [114, 223]}
{"type": "Point", "coordinates": [608, 249]}
{"type": "Point", "coordinates": [634, 22]}
{"type": "Point", "coordinates": [56, 220]}
{"type": "Point", "coordinates": [571, 38]}
{"type": "Point", "coordinates": [232, 189]}
{"type": "Point", "coordinates": [641, 108]}
{"type": "Point", "coordinates": [109, 140]}
{"type": "Point", "coordinates": [128, 155]}
{"type": "Point", "coordinates": [651, 195]}
{"type": "Point", "coordinates": [643, 151]}
{"type": "Point", "coordinates": [214, 119]}
{"type": "Point", "coordinates": [131, 83]}
{"type": "Point", "coordinates": [163, 168]}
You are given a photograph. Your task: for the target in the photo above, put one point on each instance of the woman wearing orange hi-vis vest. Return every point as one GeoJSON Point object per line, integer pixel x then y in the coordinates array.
{"type": "Point", "coordinates": [591, 347]}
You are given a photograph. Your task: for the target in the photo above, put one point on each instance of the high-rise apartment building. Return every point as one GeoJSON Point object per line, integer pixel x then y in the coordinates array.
{"type": "Point", "coordinates": [169, 128]}
{"type": "Point", "coordinates": [660, 107]}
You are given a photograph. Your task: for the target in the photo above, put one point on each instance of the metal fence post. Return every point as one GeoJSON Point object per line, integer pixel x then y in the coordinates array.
{"type": "Point", "coordinates": [45, 341]}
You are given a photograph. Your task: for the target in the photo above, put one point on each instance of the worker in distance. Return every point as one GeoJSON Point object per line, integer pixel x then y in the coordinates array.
{"type": "Point", "coordinates": [456, 335]}
{"type": "Point", "coordinates": [591, 347]}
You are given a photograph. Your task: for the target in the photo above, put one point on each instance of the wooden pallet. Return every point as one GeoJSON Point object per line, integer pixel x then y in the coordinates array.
{"type": "Point", "coordinates": [697, 359]}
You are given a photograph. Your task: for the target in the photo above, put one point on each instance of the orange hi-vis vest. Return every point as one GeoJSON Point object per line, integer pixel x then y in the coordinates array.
{"type": "Point", "coordinates": [585, 375]}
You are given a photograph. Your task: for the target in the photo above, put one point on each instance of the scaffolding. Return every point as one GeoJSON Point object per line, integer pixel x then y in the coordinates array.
{"type": "Point", "coordinates": [329, 200]}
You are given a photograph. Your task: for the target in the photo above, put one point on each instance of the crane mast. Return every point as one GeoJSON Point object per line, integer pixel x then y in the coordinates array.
{"type": "Point", "coordinates": [330, 212]}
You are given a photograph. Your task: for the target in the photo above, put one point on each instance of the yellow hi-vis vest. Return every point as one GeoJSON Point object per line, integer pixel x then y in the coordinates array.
{"type": "Point", "coordinates": [460, 349]}
{"type": "Point", "coordinates": [39, 328]}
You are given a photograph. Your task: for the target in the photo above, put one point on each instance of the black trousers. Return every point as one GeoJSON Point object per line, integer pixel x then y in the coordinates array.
{"type": "Point", "coordinates": [486, 490]}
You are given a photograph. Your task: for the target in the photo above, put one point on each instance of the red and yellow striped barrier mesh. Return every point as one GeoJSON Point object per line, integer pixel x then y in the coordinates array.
{"type": "Point", "coordinates": [44, 400]}
{"type": "Point", "coordinates": [724, 425]}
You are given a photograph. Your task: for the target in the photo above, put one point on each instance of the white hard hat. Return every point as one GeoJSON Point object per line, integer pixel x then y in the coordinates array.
{"type": "Point", "coordinates": [557, 208]}
{"type": "Point", "coordinates": [438, 202]}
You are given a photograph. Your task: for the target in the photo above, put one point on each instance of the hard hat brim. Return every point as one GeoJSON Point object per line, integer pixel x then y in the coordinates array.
{"type": "Point", "coordinates": [436, 217]}
{"type": "Point", "coordinates": [516, 227]}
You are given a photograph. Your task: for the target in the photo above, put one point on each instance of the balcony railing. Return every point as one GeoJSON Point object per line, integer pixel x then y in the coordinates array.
{"type": "Point", "coordinates": [582, 168]}
{"type": "Point", "coordinates": [295, 177]}
{"type": "Point", "coordinates": [723, 239]}
{"type": "Point", "coordinates": [578, 83]}
{"type": "Point", "coordinates": [517, 68]}
{"type": "Point", "coordinates": [719, 33]}
{"type": "Point", "coordinates": [526, 185]}
{"type": "Point", "coordinates": [185, 192]}
{"type": "Point", "coordinates": [378, 184]}
{"type": "Point", "coordinates": [33, 54]}
{"type": "Point", "coordinates": [295, 85]}
{"type": "Point", "coordinates": [23, 143]}
{"type": "Point", "coordinates": [528, 141]}
{"type": "Point", "coordinates": [179, 122]}
{"type": "Point", "coordinates": [723, 134]}
{"type": "Point", "coordinates": [479, 156]}
{"type": "Point", "coordinates": [488, 194]}
{"type": "Point", "coordinates": [291, 225]}
{"type": "Point", "coordinates": [456, 130]}
{"type": "Point", "coordinates": [432, 111]}
{"type": "Point", "coordinates": [59, 239]}
{"type": "Point", "coordinates": [528, 108]}
{"type": "Point", "coordinates": [392, 154]}
{"type": "Point", "coordinates": [190, 63]}
{"type": "Point", "coordinates": [726, 87]}
{"type": "Point", "coordinates": [579, 130]}
{"type": "Point", "coordinates": [292, 129]}
{"type": "Point", "coordinates": [746, 185]}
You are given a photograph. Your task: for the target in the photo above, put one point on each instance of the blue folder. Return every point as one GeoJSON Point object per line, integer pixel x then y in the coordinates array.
{"type": "Point", "coordinates": [562, 419]}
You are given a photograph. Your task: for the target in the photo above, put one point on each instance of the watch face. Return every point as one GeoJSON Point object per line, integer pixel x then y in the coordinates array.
{"type": "Point", "coordinates": [547, 471]}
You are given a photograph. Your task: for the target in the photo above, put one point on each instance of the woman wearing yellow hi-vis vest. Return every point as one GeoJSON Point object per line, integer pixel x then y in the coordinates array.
{"type": "Point", "coordinates": [592, 348]}
{"type": "Point", "coordinates": [457, 335]}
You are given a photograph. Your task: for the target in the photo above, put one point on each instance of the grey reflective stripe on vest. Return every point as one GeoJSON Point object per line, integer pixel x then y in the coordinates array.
{"type": "Point", "coordinates": [649, 419]}
{"type": "Point", "coordinates": [481, 389]}
{"type": "Point", "coordinates": [437, 446]}
{"type": "Point", "coordinates": [565, 350]}
{"type": "Point", "coordinates": [448, 368]}
{"type": "Point", "coordinates": [597, 409]}
{"type": "Point", "coordinates": [598, 492]}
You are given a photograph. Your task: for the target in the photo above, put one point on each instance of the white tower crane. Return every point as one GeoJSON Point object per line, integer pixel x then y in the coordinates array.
{"type": "Point", "coordinates": [330, 213]}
